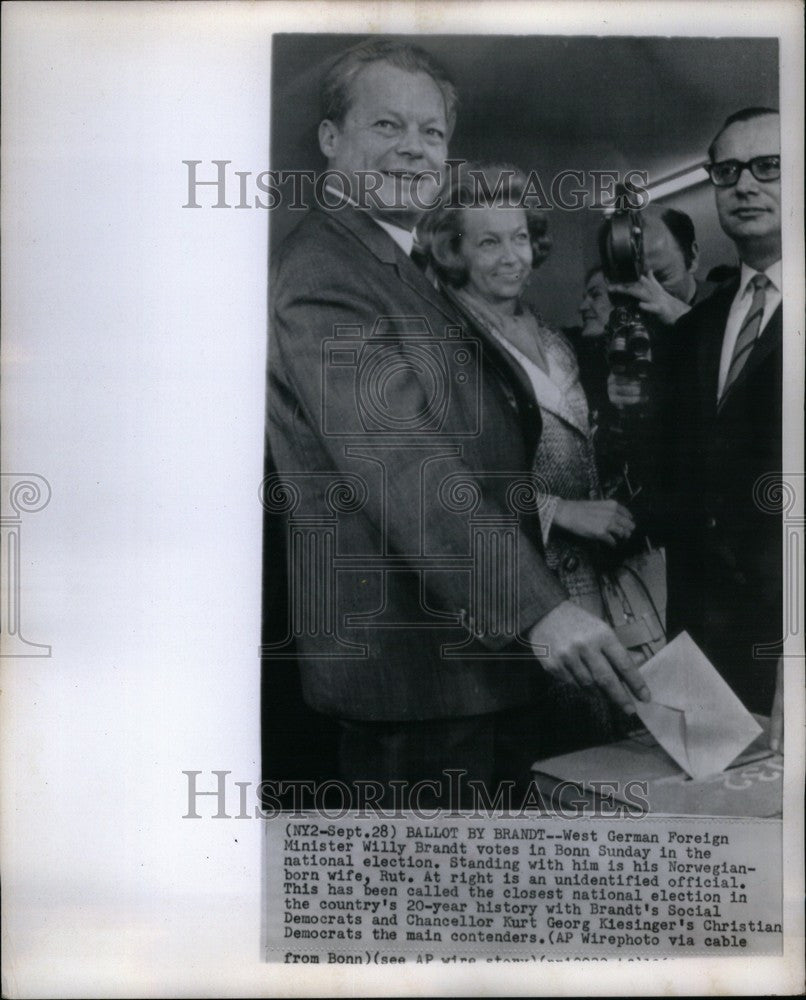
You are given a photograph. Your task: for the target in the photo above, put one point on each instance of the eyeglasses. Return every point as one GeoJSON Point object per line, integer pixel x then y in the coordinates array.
{"type": "Point", "coordinates": [726, 173]}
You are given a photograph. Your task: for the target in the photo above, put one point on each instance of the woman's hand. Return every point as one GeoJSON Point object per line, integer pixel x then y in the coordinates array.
{"type": "Point", "coordinates": [599, 520]}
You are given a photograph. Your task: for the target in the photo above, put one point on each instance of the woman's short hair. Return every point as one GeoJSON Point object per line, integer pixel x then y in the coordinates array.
{"type": "Point", "coordinates": [484, 185]}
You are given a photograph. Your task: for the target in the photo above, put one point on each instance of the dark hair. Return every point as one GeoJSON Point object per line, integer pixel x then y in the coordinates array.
{"type": "Point", "coordinates": [745, 115]}
{"type": "Point", "coordinates": [596, 269]}
{"type": "Point", "coordinates": [336, 96]}
{"type": "Point", "coordinates": [486, 185]}
{"type": "Point", "coordinates": [682, 229]}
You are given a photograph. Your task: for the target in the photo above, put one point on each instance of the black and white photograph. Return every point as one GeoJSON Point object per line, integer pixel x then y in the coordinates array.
{"type": "Point", "coordinates": [402, 499]}
{"type": "Point", "coordinates": [442, 527]}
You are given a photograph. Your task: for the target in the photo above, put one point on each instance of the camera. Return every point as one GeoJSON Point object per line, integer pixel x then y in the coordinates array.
{"type": "Point", "coordinates": [402, 378]}
{"type": "Point", "coordinates": [621, 248]}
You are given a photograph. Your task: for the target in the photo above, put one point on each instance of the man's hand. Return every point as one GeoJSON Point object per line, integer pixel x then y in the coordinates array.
{"type": "Point", "coordinates": [653, 298]}
{"type": "Point", "coordinates": [777, 714]}
{"type": "Point", "coordinates": [583, 650]}
{"type": "Point", "coordinates": [624, 392]}
{"type": "Point", "coordinates": [600, 520]}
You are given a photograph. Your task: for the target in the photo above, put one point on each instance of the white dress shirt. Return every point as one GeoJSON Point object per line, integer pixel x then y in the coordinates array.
{"type": "Point", "coordinates": [740, 308]}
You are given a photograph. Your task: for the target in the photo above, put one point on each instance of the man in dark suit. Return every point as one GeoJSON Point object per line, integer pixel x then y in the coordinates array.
{"type": "Point", "coordinates": [420, 595]}
{"type": "Point", "coordinates": [724, 431]}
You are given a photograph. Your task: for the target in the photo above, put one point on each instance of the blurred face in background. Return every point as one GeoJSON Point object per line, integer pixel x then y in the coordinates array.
{"type": "Point", "coordinates": [595, 305]}
{"type": "Point", "coordinates": [497, 250]}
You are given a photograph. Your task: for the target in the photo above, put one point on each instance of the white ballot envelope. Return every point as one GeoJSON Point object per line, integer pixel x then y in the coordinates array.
{"type": "Point", "coordinates": [694, 715]}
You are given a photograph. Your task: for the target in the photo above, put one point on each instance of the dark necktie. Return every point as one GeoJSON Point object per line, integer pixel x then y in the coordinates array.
{"type": "Point", "coordinates": [748, 333]}
{"type": "Point", "coordinates": [419, 257]}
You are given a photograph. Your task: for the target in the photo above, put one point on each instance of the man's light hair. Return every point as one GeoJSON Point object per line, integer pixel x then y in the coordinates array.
{"type": "Point", "coordinates": [336, 95]}
{"type": "Point", "coordinates": [745, 115]}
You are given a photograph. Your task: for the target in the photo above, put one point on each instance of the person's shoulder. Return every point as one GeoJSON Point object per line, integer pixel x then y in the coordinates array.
{"type": "Point", "coordinates": [573, 334]}
{"type": "Point", "coordinates": [713, 303]}
{"type": "Point", "coordinates": [556, 339]}
{"type": "Point", "coordinates": [317, 246]}
{"type": "Point", "coordinates": [314, 230]}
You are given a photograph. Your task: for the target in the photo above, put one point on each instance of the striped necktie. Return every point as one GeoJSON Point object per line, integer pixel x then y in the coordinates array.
{"type": "Point", "coordinates": [748, 333]}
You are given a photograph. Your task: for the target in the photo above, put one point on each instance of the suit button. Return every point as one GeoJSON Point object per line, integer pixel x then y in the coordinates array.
{"type": "Point", "coordinates": [711, 522]}
{"type": "Point", "coordinates": [570, 563]}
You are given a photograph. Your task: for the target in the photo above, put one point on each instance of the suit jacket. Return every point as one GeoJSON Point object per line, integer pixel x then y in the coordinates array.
{"type": "Point", "coordinates": [724, 535]}
{"type": "Point", "coordinates": [396, 444]}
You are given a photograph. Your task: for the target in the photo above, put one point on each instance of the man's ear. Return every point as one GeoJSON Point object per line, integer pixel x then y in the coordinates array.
{"type": "Point", "coordinates": [695, 258]}
{"type": "Point", "coordinates": [328, 137]}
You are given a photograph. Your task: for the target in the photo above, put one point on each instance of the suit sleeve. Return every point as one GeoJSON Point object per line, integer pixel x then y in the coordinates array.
{"type": "Point", "coordinates": [307, 305]}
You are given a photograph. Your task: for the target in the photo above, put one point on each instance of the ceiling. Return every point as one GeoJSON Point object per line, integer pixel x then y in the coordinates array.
{"type": "Point", "coordinates": [649, 103]}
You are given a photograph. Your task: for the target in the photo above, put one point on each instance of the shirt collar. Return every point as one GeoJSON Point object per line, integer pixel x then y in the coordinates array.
{"type": "Point", "coordinates": [403, 237]}
{"type": "Point", "coordinates": [773, 272]}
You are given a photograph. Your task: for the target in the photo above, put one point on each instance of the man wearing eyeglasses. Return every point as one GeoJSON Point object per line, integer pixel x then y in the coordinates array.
{"type": "Point", "coordinates": [723, 432]}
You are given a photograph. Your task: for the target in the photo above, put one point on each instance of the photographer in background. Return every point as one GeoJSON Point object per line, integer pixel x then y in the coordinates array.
{"type": "Point", "coordinates": [669, 288]}
{"type": "Point", "coordinates": [664, 293]}
{"type": "Point", "coordinates": [665, 290]}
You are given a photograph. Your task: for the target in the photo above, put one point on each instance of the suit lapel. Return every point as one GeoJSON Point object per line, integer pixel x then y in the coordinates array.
{"type": "Point", "coordinates": [769, 339]}
{"type": "Point", "coordinates": [411, 275]}
{"type": "Point", "coordinates": [381, 245]}
{"type": "Point", "coordinates": [710, 332]}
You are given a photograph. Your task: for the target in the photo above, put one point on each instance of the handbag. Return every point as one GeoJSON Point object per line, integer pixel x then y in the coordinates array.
{"type": "Point", "coordinates": [634, 597]}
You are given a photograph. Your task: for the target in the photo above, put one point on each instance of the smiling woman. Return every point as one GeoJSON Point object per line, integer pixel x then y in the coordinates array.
{"type": "Point", "coordinates": [475, 204]}
{"type": "Point", "coordinates": [484, 242]}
